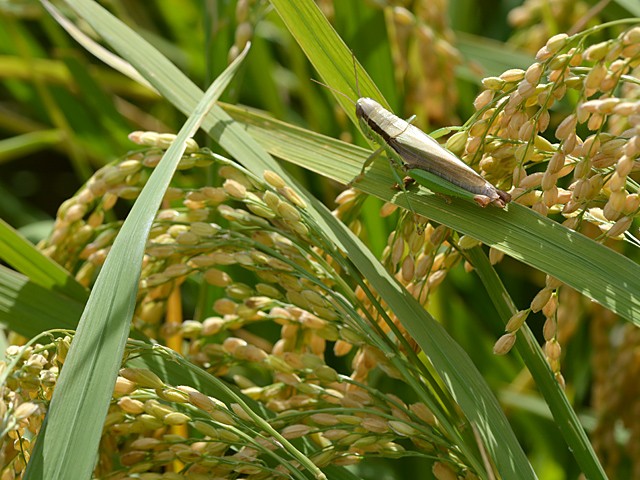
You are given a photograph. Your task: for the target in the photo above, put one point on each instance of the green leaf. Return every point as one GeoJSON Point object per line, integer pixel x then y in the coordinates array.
{"type": "Point", "coordinates": [328, 54]}
{"type": "Point", "coordinates": [29, 309]}
{"type": "Point", "coordinates": [631, 6]}
{"type": "Point", "coordinates": [493, 56]}
{"type": "Point", "coordinates": [76, 414]}
{"type": "Point", "coordinates": [27, 143]}
{"type": "Point", "coordinates": [27, 259]}
{"type": "Point", "coordinates": [527, 346]}
{"type": "Point", "coordinates": [587, 266]}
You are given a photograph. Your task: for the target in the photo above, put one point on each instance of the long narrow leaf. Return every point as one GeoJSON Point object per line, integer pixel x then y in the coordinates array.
{"type": "Point", "coordinates": [28, 260]}
{"type": "Point", "coordinates": [28, 308]}
{"type": "Point", "coordinates": [67, 444]}
{"type": "Point", "coordinates": [527, 346]}
{"type": "Point", "coordinates": [95, 48]}
{"type": "Point", "coordinates": [494, 57]}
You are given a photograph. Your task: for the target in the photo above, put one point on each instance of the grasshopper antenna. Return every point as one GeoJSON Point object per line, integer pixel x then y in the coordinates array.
{"type": "Point", "coordinates": [334, 90]}
{"type": "Point", "coordinates": [355, 74]}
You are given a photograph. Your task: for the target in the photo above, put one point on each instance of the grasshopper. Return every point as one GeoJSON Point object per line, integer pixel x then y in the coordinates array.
{"type": "Point", "coordinates": [426, 161]}
{"type": "Point", "coordinates": [417, 152]}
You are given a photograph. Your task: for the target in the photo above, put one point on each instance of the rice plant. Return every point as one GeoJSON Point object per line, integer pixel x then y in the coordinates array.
{"type": "Point", "coordinates": [232, 304]}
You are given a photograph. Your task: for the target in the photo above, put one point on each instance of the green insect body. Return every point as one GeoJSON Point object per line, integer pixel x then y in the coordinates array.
{"type": "Point", "coordinates": [439, 185]}
{"type": "Point", "coordinates": [416, 151]}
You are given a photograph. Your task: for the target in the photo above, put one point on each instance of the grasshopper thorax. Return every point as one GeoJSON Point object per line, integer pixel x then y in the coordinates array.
{"type": "Point", "coordinates": [373, 115]}
{"type": "Point", "coordinates": [365, 107]}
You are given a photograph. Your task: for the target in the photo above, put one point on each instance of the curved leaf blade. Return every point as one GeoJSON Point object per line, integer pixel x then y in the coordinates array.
{"type": "Point", "coordinates": [80, 401]}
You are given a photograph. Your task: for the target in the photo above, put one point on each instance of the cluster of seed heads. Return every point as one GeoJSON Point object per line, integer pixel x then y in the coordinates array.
{"type": "Point", "coordinates": [419, 260]}
{"type": "Point", "coordinates": [258, 226]}
{"type": "Point", "coordinates": [31, 373]}
{"type": "Point", "coordinates": [597, 143]}
{"type": "Point", "coordinates": [583, 172]}
{"type": "Point", "coordinates": [145, 432]}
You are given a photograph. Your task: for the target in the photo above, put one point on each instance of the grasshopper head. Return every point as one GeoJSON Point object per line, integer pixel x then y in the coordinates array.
{"type": "Point", "coordinates": [365, 107]}
{"type": "Point", "coordinates": [503, 200]}
{"type": "Point", "coordinates": [497, 198]}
